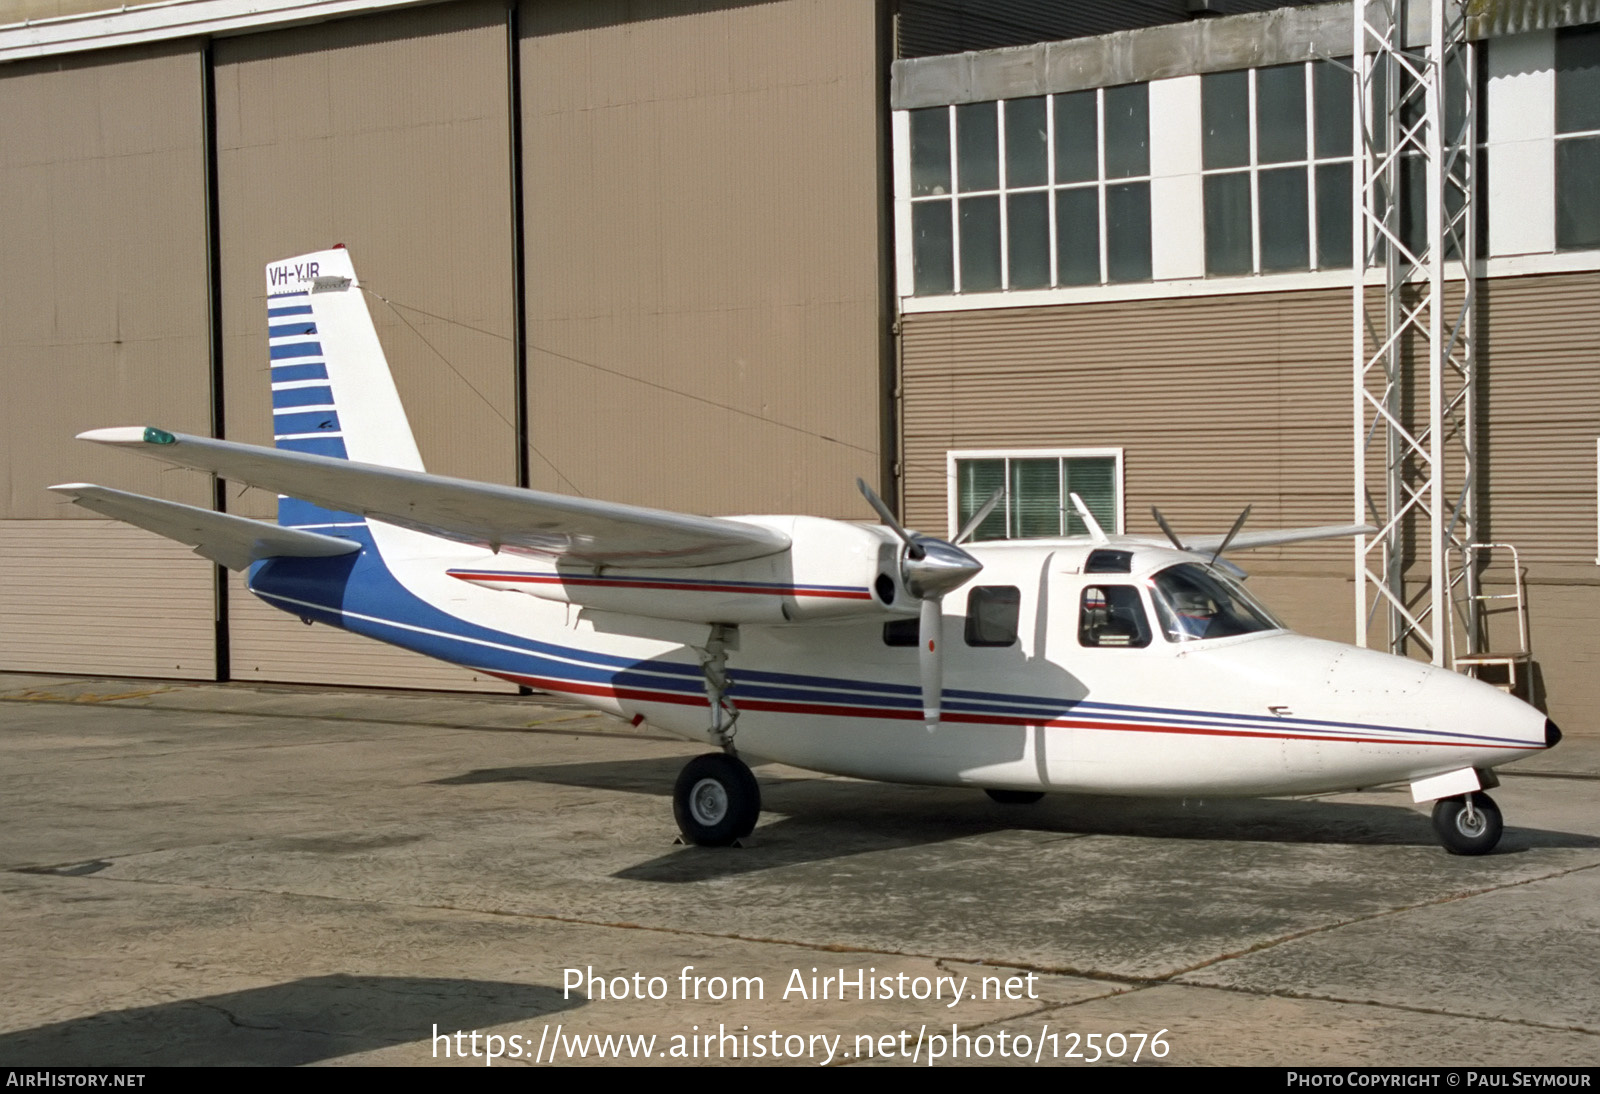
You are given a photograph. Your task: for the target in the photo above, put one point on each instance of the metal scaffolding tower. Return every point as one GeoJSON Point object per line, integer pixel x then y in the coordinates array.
{"type": "Point", "coordinates": [1416, 113]}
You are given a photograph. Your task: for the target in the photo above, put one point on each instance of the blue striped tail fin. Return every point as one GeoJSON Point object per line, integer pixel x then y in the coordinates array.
{"type": "Point", "coordinates": [332, 393]}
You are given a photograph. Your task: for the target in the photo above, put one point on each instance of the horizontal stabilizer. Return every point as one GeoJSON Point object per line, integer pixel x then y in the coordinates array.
{"type": "Point", "coordinates": [235, 542]}
{"type": "Point", "coordinates": [483, 514]}
{"type": "Point", "coordinates": [1244, 541]}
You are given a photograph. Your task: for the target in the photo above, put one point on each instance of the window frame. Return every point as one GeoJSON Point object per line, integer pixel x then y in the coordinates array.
{"type": "Point", "coordinates": [1515, 82]}
{"type": "Point", "coordinates": [1253, 168]}
{"type": "Point", "coordinates": [1570, 137]}
{"type": "Point", "coordinates": [1002, 192]}
{"type": "Point", "coordinates": [1143, 640]}
{"type": "Point", "coordinates": [953, 457]}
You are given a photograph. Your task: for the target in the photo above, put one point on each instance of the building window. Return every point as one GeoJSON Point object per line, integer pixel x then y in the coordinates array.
{"type": "Point", "coordinates": [1031, 193]}
{"type": "Point", "coordinates": [1412, 196]}
{"type": "Point", "coordinates": [1275, 154]}
{"type": "Point", "coordinates": [1577, 138]}
{"type": "Point", "coordinates": [1039, 488]}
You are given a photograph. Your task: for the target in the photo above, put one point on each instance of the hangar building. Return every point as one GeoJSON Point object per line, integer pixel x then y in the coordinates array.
{"type": "Point", "coordinates": [726, 255]}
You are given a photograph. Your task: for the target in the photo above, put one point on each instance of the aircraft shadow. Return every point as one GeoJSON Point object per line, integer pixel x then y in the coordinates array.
{"type": "Point", "coordinates": [647, 776]}
{"type": "Point", "coordinates": [300, 1022]}
{"type": "Point", "coordinates": [822, 819]}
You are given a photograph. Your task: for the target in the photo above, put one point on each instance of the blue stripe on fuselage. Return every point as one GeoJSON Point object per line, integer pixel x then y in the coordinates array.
{"type": "Point", "coordinates": [360, 594]}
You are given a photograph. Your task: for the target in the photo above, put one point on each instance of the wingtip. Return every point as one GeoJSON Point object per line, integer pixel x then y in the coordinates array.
{"type": "Point", "coordinates": [117, 434]}
{"type": "Point", "coordinates": [71, 487]}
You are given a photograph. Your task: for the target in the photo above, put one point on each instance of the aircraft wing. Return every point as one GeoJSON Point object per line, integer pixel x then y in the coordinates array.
{"type": "Point", "coordinates": [235, 542]}
{"type": "Point", "coordinates": [484, 514]}
{"type": "Point", "coordinates": [1246, 540]}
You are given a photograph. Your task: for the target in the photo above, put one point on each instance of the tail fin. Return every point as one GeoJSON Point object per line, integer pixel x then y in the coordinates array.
{"type": "Point", "coordinates": [332, 393]}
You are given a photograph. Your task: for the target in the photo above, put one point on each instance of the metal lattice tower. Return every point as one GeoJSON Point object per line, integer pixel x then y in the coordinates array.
{"type": "Point", "coordinates": [1416, 110]}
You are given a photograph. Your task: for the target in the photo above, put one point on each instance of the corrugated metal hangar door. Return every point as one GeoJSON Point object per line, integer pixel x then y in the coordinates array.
{"type": "Point", "coordinates": [389, 134]}
{"type": "Point", "coordinates": [103, 322]}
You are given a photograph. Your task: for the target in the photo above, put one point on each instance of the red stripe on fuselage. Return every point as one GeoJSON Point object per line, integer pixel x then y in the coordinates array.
{"type": "Point", "coordinates": [779, 706]}
{"type": "Point", "coordinates": [674, 586]}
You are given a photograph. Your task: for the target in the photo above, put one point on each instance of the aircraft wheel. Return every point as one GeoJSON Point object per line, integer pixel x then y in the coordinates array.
{"type": "Point", "coordinates": [1467, 835]}
{"type": "Point", "coordinates": [1015, 797]}
{"type": "Point", "coordinates": [716, 800]}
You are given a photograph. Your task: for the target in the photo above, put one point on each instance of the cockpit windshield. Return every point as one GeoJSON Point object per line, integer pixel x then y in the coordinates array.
{"type": "Point", "coordinates": [1196, 602]}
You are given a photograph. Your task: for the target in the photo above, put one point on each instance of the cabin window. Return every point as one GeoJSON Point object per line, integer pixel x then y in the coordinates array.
{"type": "Point", "coordinates": [1107, 561]}
{"type": "Point", "coordinates": [992, 612]}
{"type": "Point", "coordinates": [1113, 615]}
{"type": "Point", "coordinates": [1195, 602]}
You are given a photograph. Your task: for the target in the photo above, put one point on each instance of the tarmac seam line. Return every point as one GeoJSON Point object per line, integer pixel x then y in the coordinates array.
{"type": "Point", "coordinates": [1324, 928]}
{"type": "Point", "coordinates": [1435, 1012]}
{"type": "Point", "coordinates": [1133, 982]}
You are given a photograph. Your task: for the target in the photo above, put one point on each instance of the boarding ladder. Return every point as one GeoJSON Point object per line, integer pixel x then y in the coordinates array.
{"type": "Point", "coordinates": [1507, 669]}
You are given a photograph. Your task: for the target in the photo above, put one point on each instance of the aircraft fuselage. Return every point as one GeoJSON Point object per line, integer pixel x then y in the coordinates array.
{"type": "Point", "coordinates": [1269, 712]}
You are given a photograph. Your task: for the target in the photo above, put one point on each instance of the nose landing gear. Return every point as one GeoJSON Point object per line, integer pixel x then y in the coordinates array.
{"type": "Point", "coordinates": [1468, 824]}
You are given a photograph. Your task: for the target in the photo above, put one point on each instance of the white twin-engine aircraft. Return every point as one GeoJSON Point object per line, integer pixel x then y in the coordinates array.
{"type": "Point", "coordinates": [1108, 665]}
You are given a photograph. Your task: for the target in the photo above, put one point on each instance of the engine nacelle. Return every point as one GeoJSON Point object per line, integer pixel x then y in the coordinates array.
{"type": "Point", "coordinates": [833, 569]}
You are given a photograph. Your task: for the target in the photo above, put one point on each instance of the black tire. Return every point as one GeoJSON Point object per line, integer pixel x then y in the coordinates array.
{"type": "Point", "coordinates": [1462, 835]}
{"type": "Point", "coordinates": [716, 800]}
{"type": "Point", "coordinates": [1015, 797]}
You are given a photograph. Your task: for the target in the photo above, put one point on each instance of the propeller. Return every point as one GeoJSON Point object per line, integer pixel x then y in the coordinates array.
{"type": "Point", "coordinates": [929, 568]}
{"type": "Point", "coordinates": [1167, 528]}
{"type": "Point", "coordinates": [1216, 558]}
{"type": "Point", "coordinates": [1238, 524]}
{"type": "Point", "coordinates": [980, 516]}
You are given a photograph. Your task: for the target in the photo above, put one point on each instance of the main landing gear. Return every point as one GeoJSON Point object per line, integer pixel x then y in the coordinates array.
{"type": "Point", "coordinates": [717, 800]}
{"type": "Point", "coordinates": [1468, 824]}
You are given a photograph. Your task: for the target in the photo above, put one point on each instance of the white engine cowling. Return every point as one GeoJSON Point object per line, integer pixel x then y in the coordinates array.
{"type": "Point", "coordinates": [832, 570]}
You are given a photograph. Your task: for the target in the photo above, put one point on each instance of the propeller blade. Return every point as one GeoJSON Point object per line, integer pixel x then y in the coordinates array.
{"type": "Point", "coordinates": [1096, 533]}
{"type": "Point", "coordinates": [930, 659]}
{"type": "Point", "coordinates": [978, 518]}
{"type": "Point", "coordinates": [1167, 528]}
{"type": "Point", "coordinates": [913, 548]}
{"type": "Point", "coordinates": [1238, 524]}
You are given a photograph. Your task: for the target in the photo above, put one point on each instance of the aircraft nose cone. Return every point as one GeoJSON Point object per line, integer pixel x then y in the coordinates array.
{"type": "Point", "coordinates": [1552, 734]}
{"type": "Point", "coordinates": [942, 567]}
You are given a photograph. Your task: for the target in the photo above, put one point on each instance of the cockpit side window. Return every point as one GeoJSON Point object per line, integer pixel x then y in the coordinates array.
{"type": "Point", "coordinates": [992, 612]}
{"type": "Point", "coordinates": [1195, 602]}
{"type": "Point", "coordinates": [1113, 615]}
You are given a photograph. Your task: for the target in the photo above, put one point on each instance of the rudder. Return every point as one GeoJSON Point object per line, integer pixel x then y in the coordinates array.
{"type": "Point", "coordinates": [332, 392]}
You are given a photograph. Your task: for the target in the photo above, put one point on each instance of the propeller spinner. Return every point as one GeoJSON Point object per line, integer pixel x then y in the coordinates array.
{"type": "Point", "coordinates": [929, 568]}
